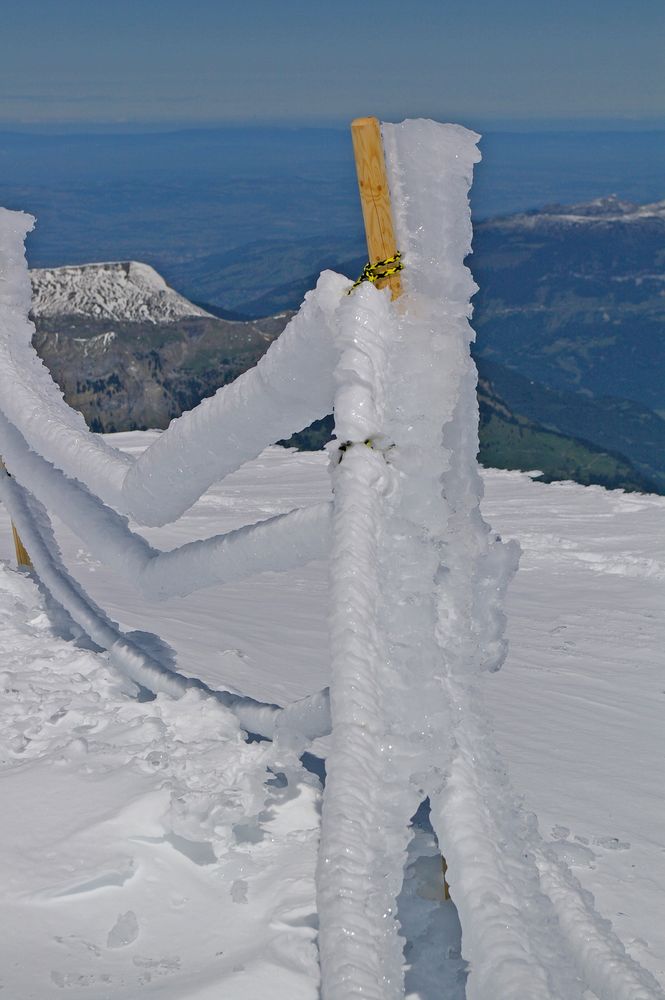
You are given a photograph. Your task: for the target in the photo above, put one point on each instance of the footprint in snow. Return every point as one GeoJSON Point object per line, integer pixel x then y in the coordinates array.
{"type": "Point", "coordinates": [124, 931]}
{"type": "Point", "coordinates": [576, 851]}
{"type": "Point", "coordinates": [574, 854]}
{"type": "Point", "coordinates": [611, 843]}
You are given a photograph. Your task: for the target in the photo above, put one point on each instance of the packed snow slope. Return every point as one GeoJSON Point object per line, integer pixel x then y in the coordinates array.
{"type": "Point", "coordinates": [142, 853]}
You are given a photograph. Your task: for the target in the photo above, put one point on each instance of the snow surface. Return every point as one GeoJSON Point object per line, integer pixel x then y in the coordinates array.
{"type": "Point", "coordinates": [124, 291]}
{"type": "Point", "coordinates": [157, 809]}
{"type": "Point", "coordinates": [601, 210]}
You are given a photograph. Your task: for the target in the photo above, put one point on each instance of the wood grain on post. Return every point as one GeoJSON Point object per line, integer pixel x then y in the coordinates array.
{"type": "Point", "coordinates": [375, 197]}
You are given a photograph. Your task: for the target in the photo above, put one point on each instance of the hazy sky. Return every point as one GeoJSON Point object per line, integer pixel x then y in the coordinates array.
{"type": "Point", "coordinates": [200, 61]}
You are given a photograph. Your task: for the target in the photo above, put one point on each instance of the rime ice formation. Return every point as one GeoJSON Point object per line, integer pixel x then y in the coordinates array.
{"type": "Point", "coordinates": [274, 545]}
{"type": "Point", "coordinates": [41, 437]}
{"type": "Point", "coordinates": [417, 582]}
{"type": "Point", "coordinates": [289, 388]}
{"type": "Point", "coordinates": [358, 879]}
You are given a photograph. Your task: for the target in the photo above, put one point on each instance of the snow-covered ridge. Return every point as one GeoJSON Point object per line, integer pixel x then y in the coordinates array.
{"type": "Point", "coordinates": [599, 211]}
{"type": "Point", "coordinates": [119, 290]}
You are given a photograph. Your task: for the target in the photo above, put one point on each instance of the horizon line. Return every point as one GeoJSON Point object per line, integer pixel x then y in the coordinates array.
{"type": "Point", "coordinates": [501, 124]}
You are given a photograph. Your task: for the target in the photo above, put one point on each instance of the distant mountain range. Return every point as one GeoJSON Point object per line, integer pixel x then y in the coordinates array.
{"type": "Point", "coordinates": [130, 352]}
{"type": "Point", "coordinates": [575, 298]}
{"type": "Point", "coordinates": [570, 316]}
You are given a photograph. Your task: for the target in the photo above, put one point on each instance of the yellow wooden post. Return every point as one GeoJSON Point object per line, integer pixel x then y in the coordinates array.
{"type": "Point", "coordinates": [22, 557]}
{"type": "Point", "coordinates": [375, 197]}
{"type": "Point", "coordinates": [446, 887]}
{"type": "Point", "coordinates": [379, 230]}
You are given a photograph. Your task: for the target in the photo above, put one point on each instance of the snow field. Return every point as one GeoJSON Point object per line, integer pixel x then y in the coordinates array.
{"type": "Point", "coordinates": [142, 849]}
{"type": "Point", "coordinates": [577, 712]}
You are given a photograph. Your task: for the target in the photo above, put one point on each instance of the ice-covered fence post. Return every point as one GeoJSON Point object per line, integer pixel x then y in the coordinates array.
{"type": "Point", "coordinates": [356, 882]}
{"type": "Point", "coordinates": [369, 795]}
{"type": "Point", "coordinates": [379, 229]}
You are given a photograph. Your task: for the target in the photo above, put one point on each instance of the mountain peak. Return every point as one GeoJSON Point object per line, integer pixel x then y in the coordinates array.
{"type": "Point", "coordinates": [611, 204]}
{"type": "Point", "coordinates": [115, 290]}
{"type": "Point", "coordinates": [600, 211]}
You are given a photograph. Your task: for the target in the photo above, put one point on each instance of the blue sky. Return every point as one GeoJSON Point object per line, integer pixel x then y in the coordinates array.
{"type": "Point", "coordinates": [197, 61]}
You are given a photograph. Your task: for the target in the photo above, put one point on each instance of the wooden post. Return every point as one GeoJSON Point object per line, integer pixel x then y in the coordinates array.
{"type": "Point", "coordinates": [379, 230]}
{"type": "Point", "coordinates": [375, 197]}
{"type": "Point", "coordinates": [446, 887]}
{"type": "Point", "coordinates": [22, 557]}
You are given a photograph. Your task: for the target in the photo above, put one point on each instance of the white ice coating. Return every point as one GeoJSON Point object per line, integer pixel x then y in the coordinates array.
{"type": "Point", "coordinates": [358, 945]}
{"type": "Point", "coordinates": [386, 690]}
{"type": "Point", "coordinates": [304, 720]}
{"type": "Point", "coordinates": [44, 442]}
{"type": "Point", "coordinates": [291, 386]}
{"type": "Point", "coordinates": [417, 582]}
{"type": "Point", "coordinates": [30, 398]}
{"type": "Point", "coordinates": [599, 955]}
{"type": "Point", "coordinates": [278, 544]}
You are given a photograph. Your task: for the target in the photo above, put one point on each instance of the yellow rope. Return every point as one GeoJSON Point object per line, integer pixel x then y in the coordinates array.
{"type": "Point", "coordinates": [381, 269]}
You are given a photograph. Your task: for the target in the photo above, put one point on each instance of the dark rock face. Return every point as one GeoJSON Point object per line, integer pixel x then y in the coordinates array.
{"type": "Point", "coordinates": [129, 376]}
{"type": "Point", "coordinates": [574, 298]}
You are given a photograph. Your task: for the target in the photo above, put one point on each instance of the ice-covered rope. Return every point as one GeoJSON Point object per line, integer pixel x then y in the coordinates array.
{"type": "Point", "coordinates": [282, 394]}
{"type": "Point", "coordinates": [357, 929]}
{"type": "Point", "coordinates": [277, 544]}
{"type": "Point", "coordinates": [291, 386]}
{"type": "Point", "coordinates": [529, 928]}
{"type": "Point", "coordinates": [305, 720]}
{"type": "Point", "coordinates": [600, 957]}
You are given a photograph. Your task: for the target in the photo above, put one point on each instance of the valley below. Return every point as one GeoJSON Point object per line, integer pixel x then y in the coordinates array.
{"type": "Point", "coordinates": [569, 320]}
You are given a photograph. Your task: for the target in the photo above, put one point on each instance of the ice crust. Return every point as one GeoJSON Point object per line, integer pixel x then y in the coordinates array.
{"type": "Point", "coordinates": [277, 544]}
{"type": "Point", "coordinates": [417, 583]}
{"type": "Point", "coordinates": [393, 538]}
{"type": "Point", "coordinates": [291, 386]}
{"type": "Point", "coordinates": [360, 955]}
{"type": "Point", "coordinates": [126, 652]}
{"type": "Point", "coordinates": [74, 474]}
